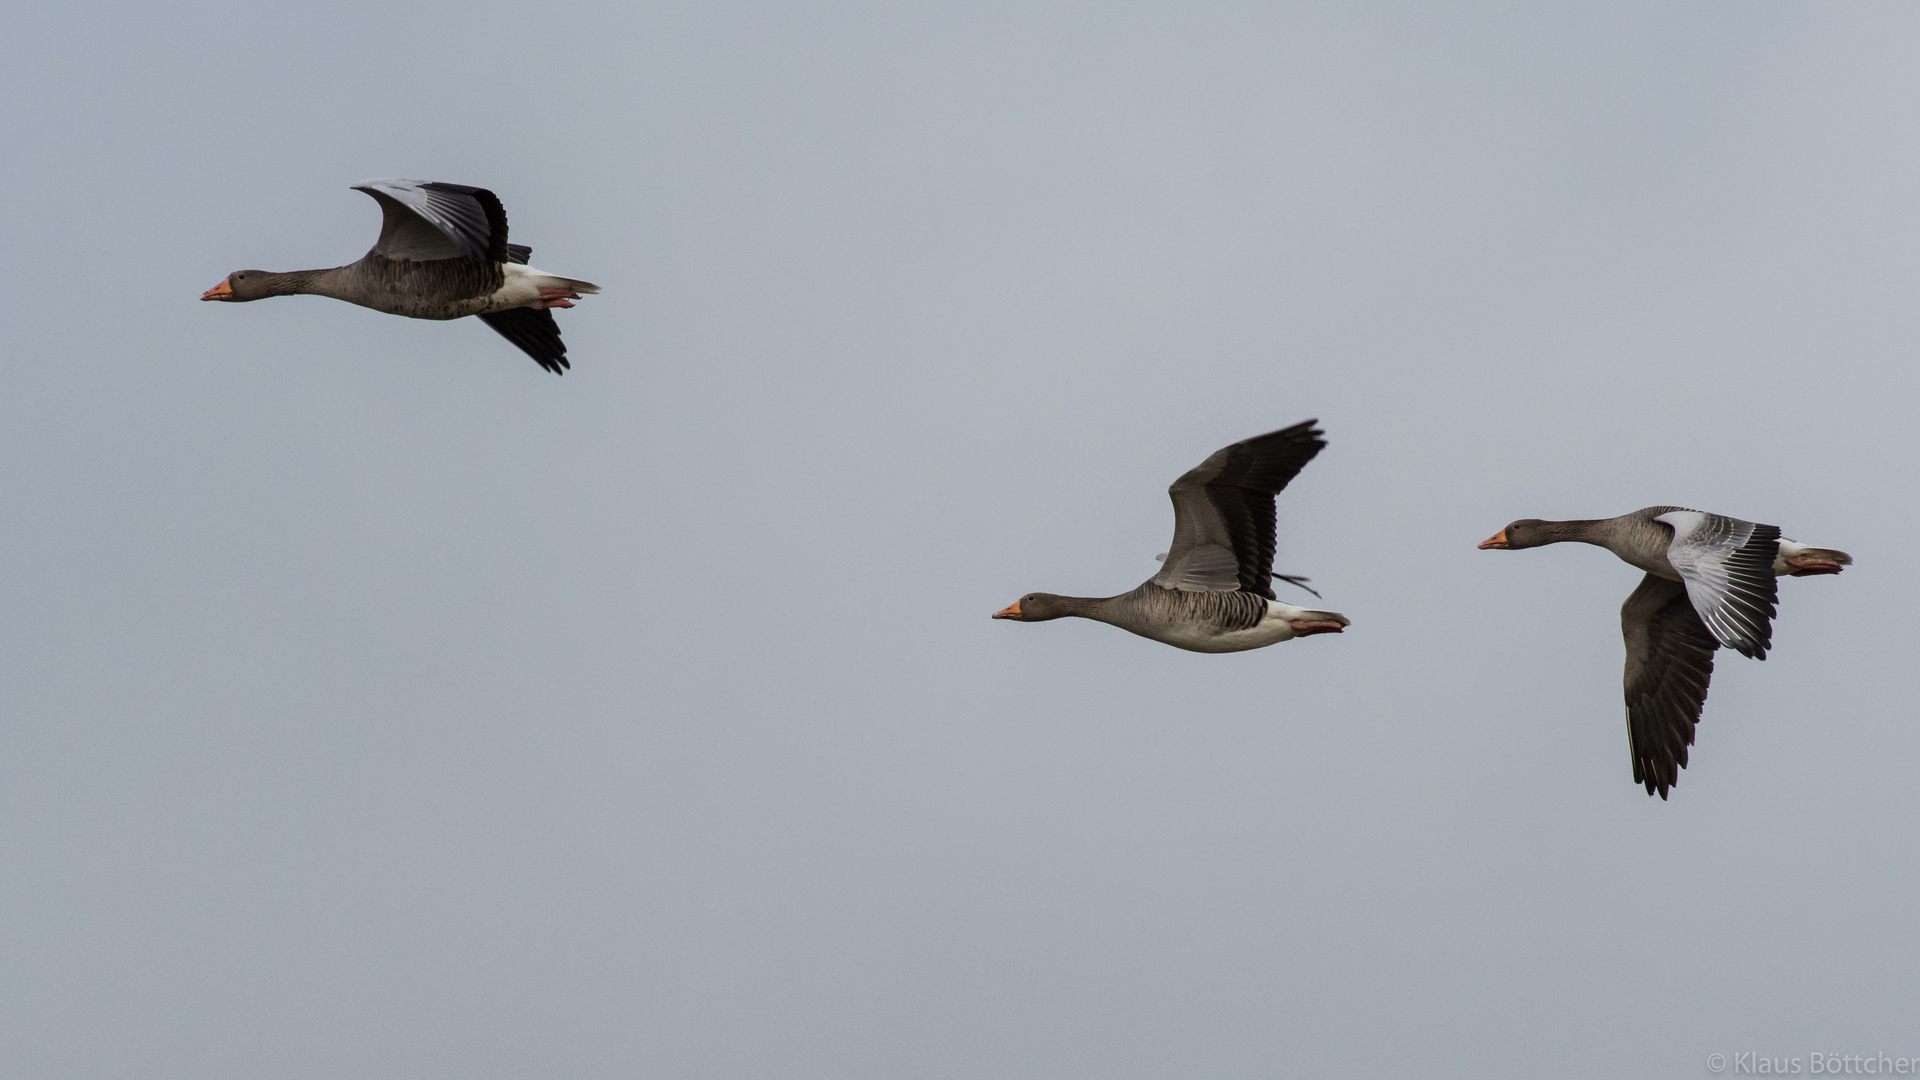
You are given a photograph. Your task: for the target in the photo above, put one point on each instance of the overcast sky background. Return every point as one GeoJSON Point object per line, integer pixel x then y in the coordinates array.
{"type": "Point", "coordinates": [378, 705]}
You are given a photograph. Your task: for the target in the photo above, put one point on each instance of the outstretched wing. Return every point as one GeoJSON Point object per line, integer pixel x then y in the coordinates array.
{"type": "Point", "coordinates": [426, 220]}
{"type": "Point", "coordinates": [535, 331]}
{"type": "Point", "coordinates": [1291, 579]}
{"type": "Point", "coordinates": [1727, 565]}
{"type": "Point", "coordinates": [1223, 514]}
{"type": "Point", "coordinates": [1669, 663]}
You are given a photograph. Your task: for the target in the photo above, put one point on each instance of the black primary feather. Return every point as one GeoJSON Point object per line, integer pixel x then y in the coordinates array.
{"type": "Point", "coordinates": [1669, 664]}
{"type": "Point", "coordinates": [535, 332]}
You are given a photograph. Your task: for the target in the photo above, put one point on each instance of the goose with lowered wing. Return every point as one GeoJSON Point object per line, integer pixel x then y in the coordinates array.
{"type": "Point", "coordinates": [1710, 581]}
{"type": "Point", "coordinates": [442, 254]}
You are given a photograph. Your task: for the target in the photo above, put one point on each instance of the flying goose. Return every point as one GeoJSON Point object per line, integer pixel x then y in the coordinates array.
{"type": "Point", "coordinates": [1215, 593]}
{"type": "Point", "coordinates": [442, 254]}
{"type": "Point", "coordinates": [1710, 582]}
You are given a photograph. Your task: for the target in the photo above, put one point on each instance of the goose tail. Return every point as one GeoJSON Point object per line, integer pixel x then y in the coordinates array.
{"type": "Point", "coordinates": [1802, 560]}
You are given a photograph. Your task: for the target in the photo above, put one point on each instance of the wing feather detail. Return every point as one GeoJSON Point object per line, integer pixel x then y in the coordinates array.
{"type": "Point", "coordinates": [535, 332]}
{"type": "Point", "coordinates": [1224, 517]}
{"type": "Point", "coordinates": [1669, 664]}
{"type": "Point", "coordinates": [426, 220]}
{"type": "Point", "coordinates": [1727, 565]}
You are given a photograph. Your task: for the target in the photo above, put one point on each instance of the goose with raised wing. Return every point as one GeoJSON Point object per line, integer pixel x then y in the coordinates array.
{"type": "Point", "coordinates": [1711, 580]}
{"type": "Point", "coordinates": [1214, 593]}
{"type": "Point", "coordinates": [442, 254]}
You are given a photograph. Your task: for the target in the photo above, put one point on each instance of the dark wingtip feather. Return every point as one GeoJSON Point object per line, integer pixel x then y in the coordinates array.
{"type": "Point", "coordinates": [490, 206]}
{"type": "Point", "coordinates": [1752, 566]}
{"type": "Point", "coordinates": [535, 332]}
{"type": "Point", "coordinates": [496, 224]}
{"type": "Point", "coordinates": [1668, 670]}
{"type": "Point", "coordinates": [1254, 472]}
{"type": "Point", "coordinates": [1295, 579]}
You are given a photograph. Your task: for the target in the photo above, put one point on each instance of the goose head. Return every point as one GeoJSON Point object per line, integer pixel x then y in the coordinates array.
{"type": "Point", "coordinates": [241, 285]}
{"type": "Point", "coordinates": [1035, 607]}
{"type": "Point", "coordinates": [1525, 533]}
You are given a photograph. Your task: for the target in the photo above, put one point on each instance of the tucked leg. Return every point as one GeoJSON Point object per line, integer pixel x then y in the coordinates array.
{"type": "Point", "coordinates": [1808, 565]}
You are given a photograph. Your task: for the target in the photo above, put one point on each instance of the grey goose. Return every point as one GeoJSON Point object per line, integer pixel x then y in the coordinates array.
{"type": "Point", "coordinates": [442, 254]}
{"type": "Point", "coordinates": [1214, 594]}
{"type": "Point", "coordinates": [1710, 581]}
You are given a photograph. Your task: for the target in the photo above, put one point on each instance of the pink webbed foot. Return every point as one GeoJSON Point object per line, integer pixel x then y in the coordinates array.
{"type": "Point", "coordinates": [556, 297]}
{"type": "Point", "coordinates": [1806, 566]}
{"type": "Point", "coordinates": [1310, 627]}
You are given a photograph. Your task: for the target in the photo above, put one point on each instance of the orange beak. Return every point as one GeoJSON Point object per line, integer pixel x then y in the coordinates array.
{"type": "Point", "coordinates": [1011, 611]}
{"type": "Point", "coordinates": [222, 291]}
{"type": "Point", "coordinates": [1497, 540]}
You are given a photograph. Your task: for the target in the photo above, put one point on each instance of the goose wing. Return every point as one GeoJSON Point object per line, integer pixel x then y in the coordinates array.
{"type": "Point", "coordinates": [1669, 663]}
{"type": "Point", "coordinates": [1223, 513]}
{"type": "Point", "coordinates": [535, 331]}
{"type": "Point", "coordinates": [1727, 565]}
{"type": "Point", "coordinates": [426, 220]}
{"type": "Point", "coordinates": [1291, 579]}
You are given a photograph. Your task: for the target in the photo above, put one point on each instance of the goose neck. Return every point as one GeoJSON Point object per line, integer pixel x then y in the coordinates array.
{"type": "Point", "coordinates": [305, 283]}
{"type": "Point", "coordinates": [1589, 531]}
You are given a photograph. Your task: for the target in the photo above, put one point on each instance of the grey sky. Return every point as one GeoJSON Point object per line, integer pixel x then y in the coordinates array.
{"type": "Point", "coordinates": [378, 705]}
